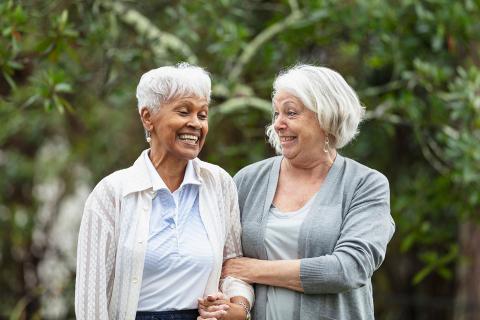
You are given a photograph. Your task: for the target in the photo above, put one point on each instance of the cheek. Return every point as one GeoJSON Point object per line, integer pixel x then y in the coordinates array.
{"type": "Point", "coordinates": [313, 129]}
{"type": "Point", "coordinates": [205, 129]}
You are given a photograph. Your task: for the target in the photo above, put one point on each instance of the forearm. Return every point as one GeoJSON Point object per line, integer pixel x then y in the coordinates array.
{"type": "Point", "coordinates": [277, 273]}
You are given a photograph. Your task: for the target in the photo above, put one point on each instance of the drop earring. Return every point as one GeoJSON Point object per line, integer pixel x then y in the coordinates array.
{"type": "Point", "coordinates": [148, 137]}
{"type": "Point", "coordinates": [326, 145]}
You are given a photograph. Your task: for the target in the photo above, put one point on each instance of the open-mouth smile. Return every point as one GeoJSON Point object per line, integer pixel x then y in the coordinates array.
{"type": "Point", "coordinates": [189, 138]}
{"type": "Point", "coordinates": [285, 139]}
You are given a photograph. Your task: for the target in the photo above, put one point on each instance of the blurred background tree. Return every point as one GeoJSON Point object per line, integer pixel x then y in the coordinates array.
{"type": "Point", "coordinates": [68, 117]}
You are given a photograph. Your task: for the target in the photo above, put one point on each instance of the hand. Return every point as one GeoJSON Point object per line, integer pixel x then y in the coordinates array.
{"type": "Point", "coordinates": [240, 268]}
{"type": "Point", "coordinates": [215, 307]}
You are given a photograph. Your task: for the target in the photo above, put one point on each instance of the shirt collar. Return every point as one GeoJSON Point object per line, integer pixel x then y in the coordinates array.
{"type": "Point", "coordinates": [137, 177]}
{"type": "Point", "coordinates": [157, 182]}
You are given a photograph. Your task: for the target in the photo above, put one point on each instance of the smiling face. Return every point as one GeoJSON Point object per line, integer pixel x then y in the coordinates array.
{"type": "Point", "coordinates": [297, 127]}
{"type": "Point", "coordinates": [178, 128]}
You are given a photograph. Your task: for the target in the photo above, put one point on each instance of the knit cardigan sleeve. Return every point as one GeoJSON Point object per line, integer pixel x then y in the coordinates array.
{"type": "Point", "coordinates": [365, 232]}
{"type": "Point", "coordinates": [95, 255]}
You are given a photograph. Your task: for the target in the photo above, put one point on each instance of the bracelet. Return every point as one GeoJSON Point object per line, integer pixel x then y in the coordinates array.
{"type": "Point", "coordinates": [247, 309]}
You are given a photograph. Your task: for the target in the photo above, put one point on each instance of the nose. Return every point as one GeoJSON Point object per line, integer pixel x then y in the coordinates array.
{"type": "Point", "coordinates": [279, 123]}
{"type": "Point", "coordinates": [194, 122]}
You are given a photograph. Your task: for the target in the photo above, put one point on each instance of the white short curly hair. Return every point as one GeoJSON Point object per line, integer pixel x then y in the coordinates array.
{"type": "Point", "coordinates": [160, 85]}
{"type": "Point", "coordinates": [325, 92]}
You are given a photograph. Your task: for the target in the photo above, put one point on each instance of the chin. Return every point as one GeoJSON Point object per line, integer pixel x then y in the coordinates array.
{"type": "Point", "coordinates": [188, 155]}
{"type": "Point", "coordinates": [289, 154]}
{"type": "Point", "coordinates": [187, 152]}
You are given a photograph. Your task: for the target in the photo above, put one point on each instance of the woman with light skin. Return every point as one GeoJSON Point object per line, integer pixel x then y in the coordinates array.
{"type": "Point", "coordinates": [154, 236]}
{"type": "Point", "coordinates": [315, 224]}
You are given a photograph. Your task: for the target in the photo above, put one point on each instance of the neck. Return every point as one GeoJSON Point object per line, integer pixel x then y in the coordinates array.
{"type": "Point", "coordinates": [171, 170]}
{"type": "Point", "coordinates": [314, 167]}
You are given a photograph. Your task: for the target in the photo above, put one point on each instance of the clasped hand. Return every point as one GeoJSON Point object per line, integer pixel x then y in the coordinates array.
{"type": "Point", "coordinates": [217, 306]}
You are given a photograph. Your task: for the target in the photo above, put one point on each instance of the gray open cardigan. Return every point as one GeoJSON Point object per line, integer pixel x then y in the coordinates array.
{"type": "Point", "coordinates": [342, 241]}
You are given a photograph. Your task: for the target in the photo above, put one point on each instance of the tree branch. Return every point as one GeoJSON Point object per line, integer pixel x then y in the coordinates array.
{"type": "Point", "coordinates": [259, 40]}
{"type": "Point", "coordinates": [235, 104]}
{"type": "Point", "coordinates": [293, 5]}
{"type": "Point", "coordinates": [381, 113]}
{"type": "Point", "coordinates": [145, 27]}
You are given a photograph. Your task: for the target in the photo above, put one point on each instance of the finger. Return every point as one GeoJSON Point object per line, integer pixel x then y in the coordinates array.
{"type": "Point", "coordinates": [211, 297]}
{"type": "Point", "coordinates": [216, 296]}
{"type": "Point", "coordinates": [225, 307]}
{"type": "Point", "coordinates": [214, 314]}
{"type": "Point", "coordinates": [206, 303]}
{"type": "Point", "coordinates": [212, 303]}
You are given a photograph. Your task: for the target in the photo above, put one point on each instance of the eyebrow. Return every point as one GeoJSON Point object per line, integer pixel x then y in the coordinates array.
{"type": "Point", "coordinates": [184, 103]}
{"type": "Point", "coordinates": [288, 103]}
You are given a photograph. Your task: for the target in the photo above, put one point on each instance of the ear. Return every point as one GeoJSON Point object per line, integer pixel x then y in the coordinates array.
{"type": "Point", "coordinates": [146, 117]}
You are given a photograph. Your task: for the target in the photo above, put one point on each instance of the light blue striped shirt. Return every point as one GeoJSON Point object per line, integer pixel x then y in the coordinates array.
{"type": "Point", "coordinates": [179, 258]}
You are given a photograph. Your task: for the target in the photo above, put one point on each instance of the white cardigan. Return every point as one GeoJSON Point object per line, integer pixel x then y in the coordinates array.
{"type": "Point", "coordinates": [113, 238]}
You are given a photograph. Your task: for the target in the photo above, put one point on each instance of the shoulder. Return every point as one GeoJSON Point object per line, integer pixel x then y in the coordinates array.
{"type": "Point", "coordinates": [209, 169]}
{"type": "Point", "coordinates": [255, 171]}
{"type": "Point", "coordinates": [112, 185]}
{"type": "Point", "coordinates": [363, 179]}
{"type": "Point", "coordinates": [214, 176]}
{"type": "Point", "coordinates": [361, 172]}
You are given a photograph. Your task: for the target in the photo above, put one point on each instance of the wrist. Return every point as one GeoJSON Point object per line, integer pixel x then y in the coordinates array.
{"type": "Point", "coordinates": [243, 309]}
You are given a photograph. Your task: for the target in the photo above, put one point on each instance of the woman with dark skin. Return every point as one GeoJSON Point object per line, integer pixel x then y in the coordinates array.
{"type": "Point", "coordinates": [154, 236]}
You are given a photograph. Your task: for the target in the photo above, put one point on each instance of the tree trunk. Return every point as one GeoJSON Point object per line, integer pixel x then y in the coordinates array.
{"type": "Point", "coordinates": [467, 304]}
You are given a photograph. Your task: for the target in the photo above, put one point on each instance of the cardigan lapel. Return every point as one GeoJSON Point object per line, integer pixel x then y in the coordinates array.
{"type": "Point", "coordinates": [271, 189]}
{"type": "Point", "coordinates": [271, 186]}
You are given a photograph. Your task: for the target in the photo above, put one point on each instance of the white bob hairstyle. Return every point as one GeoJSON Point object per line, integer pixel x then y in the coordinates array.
{"type": "Point", "coordinates": [160, 85]}
{"type": "Point", "coordinates": [325, 92]}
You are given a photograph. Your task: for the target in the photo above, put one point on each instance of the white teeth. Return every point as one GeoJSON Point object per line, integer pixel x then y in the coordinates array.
{"type": "Point", "coordinates": [285, 139]}
{"type": "Point", "coordinates": [188, 138]}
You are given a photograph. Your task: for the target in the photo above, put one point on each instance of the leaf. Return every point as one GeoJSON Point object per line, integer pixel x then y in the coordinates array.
{"type": "Point", "coordinates": [63, 87]}
{"type": "Point", "coordinates": [9, 79]}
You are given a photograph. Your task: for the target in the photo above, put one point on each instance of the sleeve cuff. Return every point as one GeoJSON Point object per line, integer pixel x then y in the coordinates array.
{"type": "Point", "coordinates": [232, 287]}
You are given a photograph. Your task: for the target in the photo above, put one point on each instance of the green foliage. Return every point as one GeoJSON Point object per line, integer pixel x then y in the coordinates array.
{"type": "Point", "coordinates": [69, 71]}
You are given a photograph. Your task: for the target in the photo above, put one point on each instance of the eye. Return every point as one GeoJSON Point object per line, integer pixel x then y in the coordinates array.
{"type": "Point", "coordinates": [275, 115]}
{"type": "Point", "coordinates": [291, 113]}
{"type": "Point", "coordinates": [202, 116]}
{"type": "Point", "coordinates": [182, 112]}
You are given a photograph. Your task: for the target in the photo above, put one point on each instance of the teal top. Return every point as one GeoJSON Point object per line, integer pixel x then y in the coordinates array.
{"type": "Point", "coordinates": [342, 240]}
